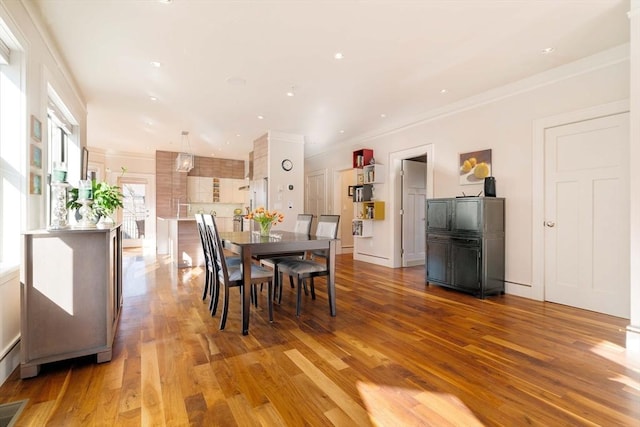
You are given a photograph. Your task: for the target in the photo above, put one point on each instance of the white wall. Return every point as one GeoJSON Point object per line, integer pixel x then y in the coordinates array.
{"type": "Point", "coordinates": [43, 73]}
{"type": "Point", "coordinates": [281, 198]}
{"type": "Point", "coordinates": [501, 120]}
{"type": "Point", "coordinates": [633, 330]}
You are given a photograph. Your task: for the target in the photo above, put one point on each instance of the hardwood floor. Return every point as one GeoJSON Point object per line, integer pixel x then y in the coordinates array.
{"type": "Point", "coordinates": [397, 354]}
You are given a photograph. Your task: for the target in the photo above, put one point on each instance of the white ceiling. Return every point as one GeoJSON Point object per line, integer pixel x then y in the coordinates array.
{"type": "Point", "coordinates": [399, 55]}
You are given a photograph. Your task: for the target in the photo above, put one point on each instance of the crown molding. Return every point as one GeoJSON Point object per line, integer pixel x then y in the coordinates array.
{"type": "Point", "coordinates": [581, 66]}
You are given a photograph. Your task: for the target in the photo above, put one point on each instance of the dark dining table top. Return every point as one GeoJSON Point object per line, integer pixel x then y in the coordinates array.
{"type": "Point", "coordinates": [278, 241]}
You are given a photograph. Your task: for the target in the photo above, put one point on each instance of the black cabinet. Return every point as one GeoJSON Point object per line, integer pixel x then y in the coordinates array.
{"type": "Point", "coordinates": [465, 244]}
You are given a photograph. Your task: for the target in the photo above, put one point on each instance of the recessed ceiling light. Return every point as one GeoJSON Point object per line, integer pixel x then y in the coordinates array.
{"type": "Point", "coordinates": [156, 64]}
{"type": "Point", "coordinates": [444, 91]}
{"type": "Point", "coordinates": [547, 50]}
{"type": "Point", "coordinates": [290, 93]}
{"type": "Point", "coordinates": [383, 115]}
{"type": "Point", "coordinates": [338, 55]}
{"type": "Point", "coordinates": [341, 130]}
{"type": "Point", "coordinates": [165, 1]}
{"type": "Point", "coordinates": [260, 117]}
{"type": "Point", "coordinates": [153, 98]}
{"type": "Point", "coordinates": [237, 134]}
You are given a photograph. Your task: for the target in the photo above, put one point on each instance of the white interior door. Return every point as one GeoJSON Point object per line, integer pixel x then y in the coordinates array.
{"type": "Point", "coordinates": [414, 193]}
{"type": "Point", "coordinates": [347, 179]}
{"type": "Point", "coordinates": [587, 215]}
{"type": "Point", "coordinates": [315, 196]}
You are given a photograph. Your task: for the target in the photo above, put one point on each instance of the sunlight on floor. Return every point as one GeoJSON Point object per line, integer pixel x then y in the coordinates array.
{"type": "Point", "coordinates": [617, 354]}
{"type": "Point", "coordinates": [389, 405]}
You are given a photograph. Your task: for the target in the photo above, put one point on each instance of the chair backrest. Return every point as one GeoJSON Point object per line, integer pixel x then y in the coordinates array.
{"type": "Point", "coordinates": [303, 223]}
{"type": "Point", "coordinates": [217, 248]}
{"type": "Point", "coordinates": [328, 226]}
{"type": "Point", "coordinates": [206, 249]}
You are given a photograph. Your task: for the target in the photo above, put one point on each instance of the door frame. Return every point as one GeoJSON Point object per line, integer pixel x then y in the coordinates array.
{"type": "Point", "coordinates": [149, 180]}
{"type": "Point", "coordinates": [536, 291]}
{"type": "Point", "coordinates": [395, 193]}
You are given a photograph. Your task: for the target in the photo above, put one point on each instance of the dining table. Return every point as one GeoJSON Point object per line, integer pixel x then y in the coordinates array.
{"type": "Point", "coordinates": [248, 244]}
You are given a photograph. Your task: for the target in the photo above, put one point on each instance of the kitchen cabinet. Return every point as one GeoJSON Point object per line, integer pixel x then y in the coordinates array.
{"type": "Point", "coordinates": [71, 295]}
{"type": "Point", "coordinates": [465, 244]}
{"type": "Point", "coordinates": [230, 190]}
{"type": "Point", "coordinates": [200, 189]}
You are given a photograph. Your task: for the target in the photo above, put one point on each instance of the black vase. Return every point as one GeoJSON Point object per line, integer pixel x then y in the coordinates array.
{"type": "Point", "coordinates": [490, 187]}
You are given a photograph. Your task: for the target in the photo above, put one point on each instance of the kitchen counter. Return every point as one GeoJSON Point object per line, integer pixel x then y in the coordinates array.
{"type": "Point", "coordinates": [179, 238]}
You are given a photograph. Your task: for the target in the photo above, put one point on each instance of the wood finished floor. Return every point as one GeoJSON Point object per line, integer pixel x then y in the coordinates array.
{"type": "Point", "coordinates": [397, 354]}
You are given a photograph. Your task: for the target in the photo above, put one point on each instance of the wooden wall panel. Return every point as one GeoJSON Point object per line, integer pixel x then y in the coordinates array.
{"type": "Point", "coordinates": [260, 157]}
{"type": "Point", "coordinates": [171, 186]}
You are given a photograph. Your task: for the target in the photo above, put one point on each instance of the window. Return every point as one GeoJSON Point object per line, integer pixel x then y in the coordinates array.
{"type": "Point", "coordinates": [13, 149]}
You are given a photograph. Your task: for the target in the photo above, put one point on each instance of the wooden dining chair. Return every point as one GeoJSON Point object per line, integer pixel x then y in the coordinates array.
{"type": "Point", "coordinates": [230, 277]}
{"type": "Point", "coordinates": [309, 268]}
{"type": "Point", "coordinates": [208, 259]}
{"type": "Point", "coordinates": [232, 261]}
{"type": "Point", "coordinates": [303, 226]}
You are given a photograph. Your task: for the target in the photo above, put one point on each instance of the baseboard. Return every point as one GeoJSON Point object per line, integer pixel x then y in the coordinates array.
{"type": "Point", "coordinates": [10, 361]}
{"type": "Point", "coordinates": [633, 345]}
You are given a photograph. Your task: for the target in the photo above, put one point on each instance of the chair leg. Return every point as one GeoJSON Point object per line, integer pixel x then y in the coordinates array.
{"type": "Point", "coordinates": [215, 295]}
{"type": "Point", "coordinates": [207, 280]}
{"type": "Point", "coordinates": [225, 308]}
{"type": "Point", "coordinates": [277, 282]}
{"type": "Point", "coordinates": [270, 300]}
{"type": "Point", "coordinates": [299, 301]}
{"type": "Point", "coordinates": [280, 286]}
{"type": "Point", "coordinates": [313, 288]}
{"type": "Point", "coordinates": [254, 294]}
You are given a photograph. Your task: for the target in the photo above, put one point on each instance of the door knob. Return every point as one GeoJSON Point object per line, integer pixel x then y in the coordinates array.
{"type": "Point", "coordinates": [550, 224]}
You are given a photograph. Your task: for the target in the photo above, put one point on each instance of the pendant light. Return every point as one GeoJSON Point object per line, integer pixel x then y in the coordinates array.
{"type": "Point", "coordinates": [184, 161]}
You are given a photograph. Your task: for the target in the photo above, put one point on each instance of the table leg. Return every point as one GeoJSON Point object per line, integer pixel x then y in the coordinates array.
{"type": "Point", "coordinates": [246, 288]}
{"type": "Point", "coordinates": [331, 285]}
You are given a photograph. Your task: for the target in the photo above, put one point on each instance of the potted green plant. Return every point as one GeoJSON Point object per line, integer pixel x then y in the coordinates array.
{"type": "Point", "coordinates": [106, 199]}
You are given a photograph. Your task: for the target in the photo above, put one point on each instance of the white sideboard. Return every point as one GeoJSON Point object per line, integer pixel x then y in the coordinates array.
{"type": "Point", "coordinates": [71, 295]}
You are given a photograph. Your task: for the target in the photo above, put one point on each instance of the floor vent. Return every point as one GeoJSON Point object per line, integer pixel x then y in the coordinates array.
{"type": "Point", "coordinates": [10, 412]}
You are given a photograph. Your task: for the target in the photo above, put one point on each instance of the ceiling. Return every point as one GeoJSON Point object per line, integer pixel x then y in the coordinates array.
{"type": "Point", "coordinates": [224, 63]}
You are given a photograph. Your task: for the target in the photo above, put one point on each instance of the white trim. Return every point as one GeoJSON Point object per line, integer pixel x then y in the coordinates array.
{"type": "Point", "coordinates": [286, 137]}
{"type": "Point", "coordinates": [47, 41]}
{"type": "Point", "coordinates": [582, 66]}
{"type": "Point", "coordinates": [395, 194]}
{"type": "Point", "coordinates": [536, 291]}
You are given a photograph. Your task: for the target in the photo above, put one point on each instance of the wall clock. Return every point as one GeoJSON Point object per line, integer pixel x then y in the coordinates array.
{"type": "Point", "coordinates": [287, 165]}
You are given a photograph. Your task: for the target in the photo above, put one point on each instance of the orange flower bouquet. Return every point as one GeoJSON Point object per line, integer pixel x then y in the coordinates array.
{"type": "Point", "coordinates": [265, 218]}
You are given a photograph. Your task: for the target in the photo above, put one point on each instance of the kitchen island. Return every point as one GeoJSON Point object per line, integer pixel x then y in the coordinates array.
{"type": "Point", "coordinates": [179, 238]}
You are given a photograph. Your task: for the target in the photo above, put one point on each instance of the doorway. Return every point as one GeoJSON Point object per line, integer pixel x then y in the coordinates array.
{"type": "Point", "coordinates": [346, 179]}
{"type": "Point", "coordinates": [414, 195]}
{"type": "Point", "coordinates": [408, 211]}
{"type": "Point", "coordinates": [316, 195]}
{"type": "Point", "coordinates": [138, 213]}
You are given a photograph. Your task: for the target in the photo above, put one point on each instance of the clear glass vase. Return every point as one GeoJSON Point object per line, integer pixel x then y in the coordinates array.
{"type": "Point", "coordinates": [265, 228]}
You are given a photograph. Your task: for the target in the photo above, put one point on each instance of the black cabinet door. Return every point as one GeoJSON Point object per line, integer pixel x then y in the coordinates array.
{"type": "Point", "coordinates": [465, 264]}
{"type": "Point", "coordinates": [438, 215]}
{"type": "Point", "coordinates": [437, 260]}
{"type": "Point", "coordinates": [467, 215]}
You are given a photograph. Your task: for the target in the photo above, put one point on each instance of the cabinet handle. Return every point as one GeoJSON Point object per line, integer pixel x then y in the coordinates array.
{"type": "Point", "coordinates": [550, 224]}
